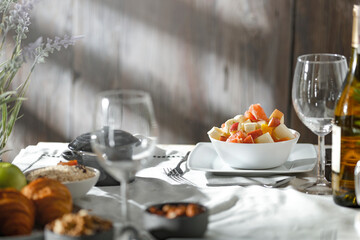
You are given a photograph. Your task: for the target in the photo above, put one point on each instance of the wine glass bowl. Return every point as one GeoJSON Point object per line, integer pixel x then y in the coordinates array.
{"type": "Point", "coordinates": [316, 86]}
{"type": "Point", "coordinates": [125, 129]}
{"type": "Point", "coordinates": [125, 132]}
{"type": "Point", "coordinates": [116, 152]}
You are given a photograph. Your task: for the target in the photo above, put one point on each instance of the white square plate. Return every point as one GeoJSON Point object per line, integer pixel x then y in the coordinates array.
{"type": "Point", "coordinates": [302, 158]}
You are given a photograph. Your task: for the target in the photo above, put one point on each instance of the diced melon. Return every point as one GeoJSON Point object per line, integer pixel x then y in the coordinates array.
{"type": "Point", "coordinates": [249, 127]}
{"type": "Point", "coordinates": [265, 128]}
{"type": "Point", "coordinates": [216, 133]}
{"type": "Point", "coordinates": [265, 138]}
{"type": "Point", "coordinates": [282, 131]}
{"type": "Point", "coordinates": [282, 119]}
{"type": "Point", "coordinates": [228, 124]}
{"type": "Point", "coordinates": [259, 123]}
{"type": "Point", "coordinates": [240, 118]}
{"type": "Point", "coordinates": [276, 114]}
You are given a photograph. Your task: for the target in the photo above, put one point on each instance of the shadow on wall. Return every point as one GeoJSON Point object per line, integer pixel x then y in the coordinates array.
{"type": "Point", "coordinates": [200, 29]}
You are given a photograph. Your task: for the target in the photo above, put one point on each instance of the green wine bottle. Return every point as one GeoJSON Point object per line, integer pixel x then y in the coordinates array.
{"type": "Point", "coordinates": [346, 127]}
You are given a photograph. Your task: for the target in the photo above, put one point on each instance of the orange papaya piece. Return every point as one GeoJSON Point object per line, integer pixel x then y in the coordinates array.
{"type": "Point", "coordinates": [250, 116]}
{"type": "Point", "coordinates": [223, 138]}
{"type": "Point", "coordinates": [256, 133]}
{"type": "Point", "coordinates": [258, 112]}
{"type": "Point", "coordinates": [249, 139]}
{"type": "Point", "coordinates": [274, 122]}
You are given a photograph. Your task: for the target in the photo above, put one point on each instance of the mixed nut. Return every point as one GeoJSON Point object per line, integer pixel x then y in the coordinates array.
{"type": "Point", "coordinates": [79, 224]}
{"type": "Point", "coordinates": [177, 210]}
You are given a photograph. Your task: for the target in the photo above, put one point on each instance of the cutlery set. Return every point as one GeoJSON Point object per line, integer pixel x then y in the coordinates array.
{"type": "Point", "coordinates": [177, 173]}
{"type": "Point", "coordinates": [46, 153]}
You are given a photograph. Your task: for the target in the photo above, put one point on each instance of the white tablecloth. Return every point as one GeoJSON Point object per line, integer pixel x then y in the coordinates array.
{"type": "Point", "coordinates": [236, 212]}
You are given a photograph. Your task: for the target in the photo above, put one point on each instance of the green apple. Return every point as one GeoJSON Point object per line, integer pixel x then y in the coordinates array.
{"type": "Point", "coordinates": [11, 176]}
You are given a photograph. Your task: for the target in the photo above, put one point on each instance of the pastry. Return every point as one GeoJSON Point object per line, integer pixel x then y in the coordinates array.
{"type": "Point", "coordinates": [17, 213]}
{"type": "Point", "coordinates": [79, 224]}
{"type": "Point", "coordinates": [51, 198]}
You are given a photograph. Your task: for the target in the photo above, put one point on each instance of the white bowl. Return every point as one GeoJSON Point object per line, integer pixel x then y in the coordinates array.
{"type": "Point", "coordinates": [79, 188]}
{"type": "Point", "coordinates": [257, 155]}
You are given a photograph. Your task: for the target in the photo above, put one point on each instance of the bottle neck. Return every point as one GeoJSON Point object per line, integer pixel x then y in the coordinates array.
{"type": "Point", "coordinates": [353, 63]}
{"type": "Point", "coordinates": [355, 27]}
{"type": "Point", "coordinates": [354, 40]}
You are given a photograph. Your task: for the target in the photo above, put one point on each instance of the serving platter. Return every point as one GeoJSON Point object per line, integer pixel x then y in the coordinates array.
{"type": "Point", "coordinates": [302, 158]}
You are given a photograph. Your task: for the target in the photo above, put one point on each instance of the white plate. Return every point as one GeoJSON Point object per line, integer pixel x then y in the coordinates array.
{"type": "Point", "coordinates": [36, 235]}
{"type": "Point", "coordinates": [204, 158]}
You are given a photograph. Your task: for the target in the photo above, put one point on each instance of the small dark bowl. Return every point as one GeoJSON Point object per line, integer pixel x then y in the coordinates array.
{"type": "Point", "coordinates": [104, 235]}
{"type": "Point", "coordinates": [80, 149]}
{"type": "Point", "coordinates": [162, 227]}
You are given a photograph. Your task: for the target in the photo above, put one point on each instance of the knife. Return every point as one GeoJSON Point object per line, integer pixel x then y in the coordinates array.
{"type": "Point", "coordinates": [275, 184]}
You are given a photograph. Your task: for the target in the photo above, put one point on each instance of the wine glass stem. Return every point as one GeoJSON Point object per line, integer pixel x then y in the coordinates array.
{"type": "Point", "coordinates": [124, 194]}
{"type": "Point", "coordinates": [321, 159]}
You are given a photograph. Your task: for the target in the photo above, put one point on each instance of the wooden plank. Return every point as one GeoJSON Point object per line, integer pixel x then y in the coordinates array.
{"type": "Point", "coordinates": [325, 31]}
{"type": "Point", "coordinates": [47, 108]}
{"type": "Point", "coordinates": [202, 61]}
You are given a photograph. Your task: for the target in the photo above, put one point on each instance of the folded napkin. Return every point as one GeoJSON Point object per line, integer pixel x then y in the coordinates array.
{"type": "Point", "coordinates": [168, 159]}
{"type": "Point", "coordinates": [215, 180]}
{"type": "Point", "coordinates": [41, 155]}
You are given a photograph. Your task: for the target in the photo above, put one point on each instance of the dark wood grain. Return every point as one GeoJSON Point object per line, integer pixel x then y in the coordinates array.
{"type": "Point", "coordinates": [201, 67]}
{"type": "Point", "coordinates": [320, 27]}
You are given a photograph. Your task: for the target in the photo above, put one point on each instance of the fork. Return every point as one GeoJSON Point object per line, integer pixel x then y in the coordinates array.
{"type": "Point", "coordinates": [177, 173]}
{"type": "Point", "coordinates": [177, 177]}
{"type": "Point", "coordinates": [46, 153]}
{"type": "Point", "coordinates": [177, 169]}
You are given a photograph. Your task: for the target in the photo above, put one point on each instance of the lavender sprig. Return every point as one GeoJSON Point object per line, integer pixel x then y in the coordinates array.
{"type": "Point", "coordinates": [15, 16]}
{"type": "Point", "coordinates": [20, 17]}
{"type": "Point", "coordinates": [39, 50]}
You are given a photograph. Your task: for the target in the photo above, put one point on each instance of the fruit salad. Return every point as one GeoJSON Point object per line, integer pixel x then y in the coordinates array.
{"type": "Point", "coordinates": [253, 127]}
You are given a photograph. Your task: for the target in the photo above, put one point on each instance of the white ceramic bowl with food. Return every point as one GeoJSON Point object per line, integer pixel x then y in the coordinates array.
{"type": "Point", "coordinates": [257, 155]}
{"type": "Point", "coordinates": [78, 187]}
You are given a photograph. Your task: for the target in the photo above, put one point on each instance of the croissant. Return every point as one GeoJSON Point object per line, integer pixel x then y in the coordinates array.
{"type": "Point", "coordinates": [17, 213]}
{"type": "Point", "coordinates": [51, 198]}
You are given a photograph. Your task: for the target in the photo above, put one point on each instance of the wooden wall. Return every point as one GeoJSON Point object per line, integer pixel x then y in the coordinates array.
{"type": "Point", "coordinates": [203, 61]}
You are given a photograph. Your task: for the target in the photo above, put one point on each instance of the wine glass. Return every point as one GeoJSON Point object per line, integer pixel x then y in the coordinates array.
{"type": "Point", "coordinates": [125, 132]}
{"type": "Point", "coordinates": [316, 85]}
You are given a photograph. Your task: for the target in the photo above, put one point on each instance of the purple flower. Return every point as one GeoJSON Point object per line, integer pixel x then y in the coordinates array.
{"type": "Point", "coordinates": [16, 17]}
{"type": "Point", "coordinates": [38, 49]}
{"type": "Point", "coordinates": [19, 16]}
